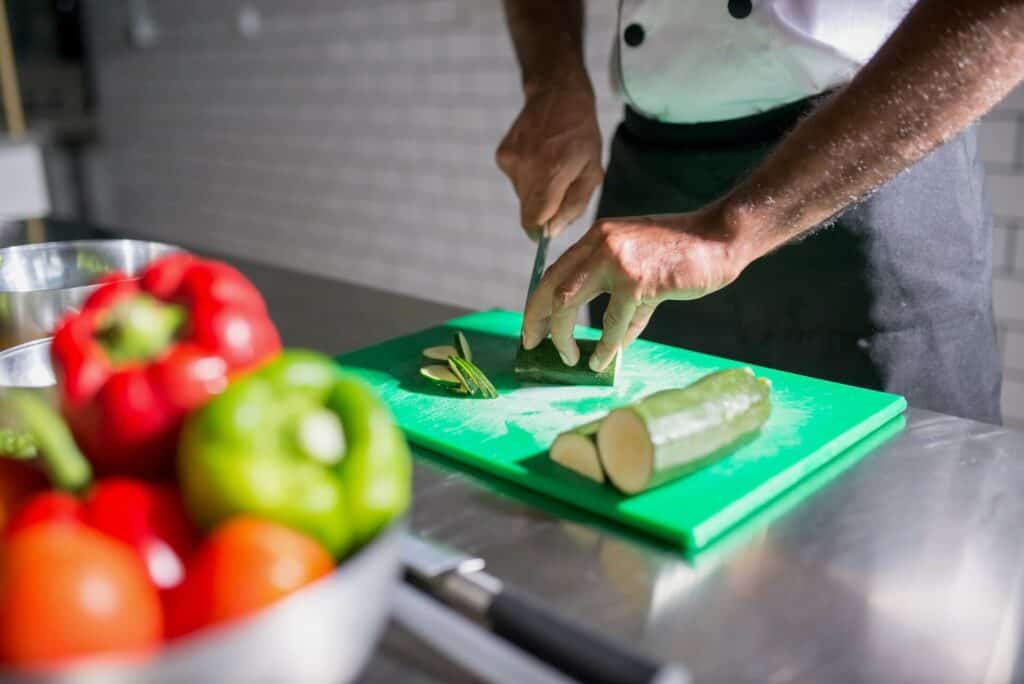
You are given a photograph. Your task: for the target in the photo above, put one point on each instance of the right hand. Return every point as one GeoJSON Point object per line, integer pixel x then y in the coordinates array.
{"type": "Point", "coordinates": [552, 155]}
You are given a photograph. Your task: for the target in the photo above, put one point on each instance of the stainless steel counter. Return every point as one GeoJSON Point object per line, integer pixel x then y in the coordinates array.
{"type": "Point", "coordinates": [904, 566]}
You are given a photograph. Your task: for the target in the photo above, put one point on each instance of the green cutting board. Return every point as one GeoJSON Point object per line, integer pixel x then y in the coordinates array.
{"type": "Point", "coordinates": [812, 421]}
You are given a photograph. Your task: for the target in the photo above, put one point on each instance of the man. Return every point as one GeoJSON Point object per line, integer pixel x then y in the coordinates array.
{"type": "Point", "coordinates": [795, 184]}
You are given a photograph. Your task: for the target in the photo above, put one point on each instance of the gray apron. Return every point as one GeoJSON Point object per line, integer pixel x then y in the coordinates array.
{"type": "Point", "coordinates": [895, 295]}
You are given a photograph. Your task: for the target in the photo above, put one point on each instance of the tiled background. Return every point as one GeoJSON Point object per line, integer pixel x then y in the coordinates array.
{"type": "Point", "coordinates": [355, 138]}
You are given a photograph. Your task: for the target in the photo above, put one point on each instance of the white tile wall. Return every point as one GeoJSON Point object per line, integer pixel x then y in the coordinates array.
{"type": "Point", "coordinates": [355, 138]}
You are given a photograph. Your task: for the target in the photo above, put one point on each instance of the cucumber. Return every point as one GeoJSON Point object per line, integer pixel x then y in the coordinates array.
{"type": "Point", "coordinates": [472, 377]}
{"type": "Point", "coordinates": [577, 451]}
{"type": "Point", "coordinates": [442, 376]}
{"type": "Point", "coordinates": [543, 364]}
{"type": "Point", "coordinates": [462, 346]}
{"type": "Point", "coordinates": [673, 432]}
{"type": "Point", "coordinates": [440, 353]}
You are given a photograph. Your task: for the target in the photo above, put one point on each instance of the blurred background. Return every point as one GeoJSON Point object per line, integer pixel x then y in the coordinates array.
{"type": "Point", "coordinates": [351, 138]}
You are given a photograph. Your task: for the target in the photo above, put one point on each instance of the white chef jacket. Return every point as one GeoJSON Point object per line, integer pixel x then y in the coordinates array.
{"type": "Point", "coordinates": [689, 61]}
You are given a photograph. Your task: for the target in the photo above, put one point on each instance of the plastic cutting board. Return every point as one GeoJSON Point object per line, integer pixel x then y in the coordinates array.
{"type": "Point", "coordinates": [812, 422]}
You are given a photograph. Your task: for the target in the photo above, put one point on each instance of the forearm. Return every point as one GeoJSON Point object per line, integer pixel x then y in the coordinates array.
{"type": "Point", "coordinates": [947, 64]}
{"type": "Point", "coordinates": [548, 40]}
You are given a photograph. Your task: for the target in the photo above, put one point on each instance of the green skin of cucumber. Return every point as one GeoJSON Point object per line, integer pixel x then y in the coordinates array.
{"type": "Point", "coordinates": [697, 425]}
{"type": "Point", "coordinates": [543, 364]}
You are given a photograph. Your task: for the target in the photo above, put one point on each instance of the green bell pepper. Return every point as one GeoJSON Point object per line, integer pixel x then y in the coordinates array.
{"type": "Point", "coordinates": [302, 443]}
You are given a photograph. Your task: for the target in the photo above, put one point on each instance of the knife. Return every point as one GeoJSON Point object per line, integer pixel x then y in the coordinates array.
{"type": "Point", "coordinates": [540, 260]}
{"type": "Point", "coordinates": [460, 581]}
{"type": "Point", "coordinates": [465, 644]}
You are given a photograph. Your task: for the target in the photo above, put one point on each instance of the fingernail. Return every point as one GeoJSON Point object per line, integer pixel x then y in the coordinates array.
{"type": "Point", "coordinates": [572, 358]}
{"type": "Point", "coordinates": [596, 362]}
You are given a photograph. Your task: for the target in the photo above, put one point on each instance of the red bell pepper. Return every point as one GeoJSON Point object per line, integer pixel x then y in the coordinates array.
{"type": "Point", "coordinates": [150, 518]}
{"type": "Point", "coordinates": [143, 353]}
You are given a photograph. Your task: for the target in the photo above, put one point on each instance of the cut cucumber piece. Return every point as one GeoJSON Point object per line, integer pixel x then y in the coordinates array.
{"type": "Point", "coordinates": [577, 451]}
{"type": "Point", "coordinates": [462, 346]}
{"type": "Point", "coordinates": [440, 353]}
{"type": "Point", "coordinates": [673, 432]}
{"type": "Point", "coordinates": [441, 375]}
{"type": "Point", "coordinates": [543, 364]}
{"type": "Point", "coordinates": [474, 379]}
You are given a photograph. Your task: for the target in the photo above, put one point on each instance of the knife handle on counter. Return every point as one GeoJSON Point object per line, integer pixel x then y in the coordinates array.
{"type": "Point", "coordinates": [578, 652]}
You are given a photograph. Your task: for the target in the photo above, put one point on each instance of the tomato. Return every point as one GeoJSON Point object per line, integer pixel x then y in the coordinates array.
{"type": "Point", "coordinates": [148, 517]}
{"type": "Point", "coordinates": [68, 591]}
{"type": "Point", "coordinates": [18, 481]}
{"type": "Point", "coordinates": [245, 564]}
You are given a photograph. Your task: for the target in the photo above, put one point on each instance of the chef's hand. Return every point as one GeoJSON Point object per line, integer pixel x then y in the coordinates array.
{"type": "Point", "coordinates": [642, 261]}
{"type": "Point", "coordinates": [552, 155]}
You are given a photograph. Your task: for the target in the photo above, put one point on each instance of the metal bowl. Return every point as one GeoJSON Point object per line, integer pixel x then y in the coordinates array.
{"type": "Point", "coordinates": [323, 633]}
{"type": "Point", "coordinates": [40, 283]}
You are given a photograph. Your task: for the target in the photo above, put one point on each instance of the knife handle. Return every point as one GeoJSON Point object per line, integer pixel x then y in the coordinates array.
{"type": "Point", "coordinates": [578, 652]}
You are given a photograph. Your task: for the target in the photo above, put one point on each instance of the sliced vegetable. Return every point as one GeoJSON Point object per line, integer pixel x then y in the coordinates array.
{"type": "Point", "coordinates": [473, 377]}
{"type": "Point", "coordinates": [544, 364]}
{"type": "Point", "coordinates": [462, 346]}
{"type": "Point", "coordinates": [577, 451]}
{"type": "Point", "coordinates": [441, 375]}
{"type": "Point", "coordinates": [673, 432]}
{"type": "Point", "coordinates": [440, 353]}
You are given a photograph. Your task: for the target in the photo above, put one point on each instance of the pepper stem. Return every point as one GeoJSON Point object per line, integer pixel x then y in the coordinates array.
{"type": "Point", "coordinates": [321, 436]}
{"type": "Point", "coordinates": [41, 436]}
{"type": "Point", "coordinates": [140, 328]}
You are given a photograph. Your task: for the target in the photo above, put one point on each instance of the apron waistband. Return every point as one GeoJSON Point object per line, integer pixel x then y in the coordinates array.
{"type": "Point", "coordinates": [763, 127]}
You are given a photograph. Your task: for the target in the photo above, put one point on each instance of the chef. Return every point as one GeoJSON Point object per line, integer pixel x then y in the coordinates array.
{"type": "Point", "coordinates": [795, 184]}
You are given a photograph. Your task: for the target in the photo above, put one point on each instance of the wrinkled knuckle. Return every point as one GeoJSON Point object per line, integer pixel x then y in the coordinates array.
{"type": "Point", "coordinates": [506, 157]}
{"type": "Point", "coordinates": [611, 319]}
{"type": "Point", "coordinates": [562, 296]}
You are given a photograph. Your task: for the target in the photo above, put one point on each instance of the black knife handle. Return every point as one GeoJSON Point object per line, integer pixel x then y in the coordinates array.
{"type": "Point", "coordinates": [578, 652]}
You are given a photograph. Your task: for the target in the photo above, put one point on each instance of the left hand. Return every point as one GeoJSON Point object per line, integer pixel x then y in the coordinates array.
{"type": "Point", "coordinates": [642, 261]}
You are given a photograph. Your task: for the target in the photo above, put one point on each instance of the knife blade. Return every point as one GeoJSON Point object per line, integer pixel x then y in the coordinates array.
{"type": "Point", "coordinates": [460, 581]}
{"type": "Point", "coordinates": [540, 260]}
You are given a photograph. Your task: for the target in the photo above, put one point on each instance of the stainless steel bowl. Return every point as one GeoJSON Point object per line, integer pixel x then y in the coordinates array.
{"type": "Point", "coordinates": [27, 365]}
{"type": "Point", "coordinates": [324, 633]}
{"type": "Point", "coordinates": [40, 283]}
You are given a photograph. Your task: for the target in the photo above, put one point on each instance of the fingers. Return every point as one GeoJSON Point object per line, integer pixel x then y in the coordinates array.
{"type": "Point", "coordinates": [640, 320]}
{"type": "Point", "coordinates": [617, 318]}
{"type": "Point", "coordinates": [577, 197]}
{"type": "Point", "coordinates": [542, 194]}
{"type": "Point", "coordinates": [575, 291]}
{"type": "Point", "coordinates": [537, 316]}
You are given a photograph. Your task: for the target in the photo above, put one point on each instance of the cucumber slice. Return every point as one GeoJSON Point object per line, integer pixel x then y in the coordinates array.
{"type": "Point", "coordinates": [673, 432]}
{"type": "Point", "coordinates": [577, 451]}
{"type": "Point", "coordinates": [440, 375]}
{"type": "Point", "coordinates": [462, 346]}
{"type": "Point", "coordinates": [472, 377]}
{"type": "Point", "coordinates": [440, 353]}
{"type": "Point", "coordinates": [543, 364]}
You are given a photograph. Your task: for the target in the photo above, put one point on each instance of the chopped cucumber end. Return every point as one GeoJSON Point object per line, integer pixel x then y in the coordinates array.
{"type": "Point", "coordinates": [626, 451]}
{"type": "Point", "coordinates": [579, 454]}
{"type": "Point", "coordinates": [441, 375]}
{"type": "Point", "coordinates": [462, 346]}
{"type": "Point", "coordinates": [440, 353]}
{"type": "Point", "coordinates": [474, 378]}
